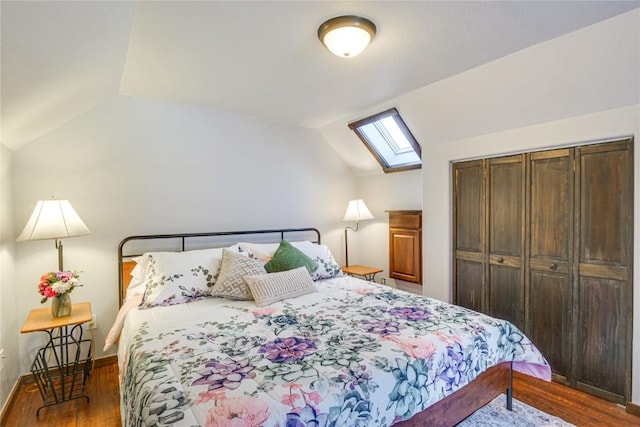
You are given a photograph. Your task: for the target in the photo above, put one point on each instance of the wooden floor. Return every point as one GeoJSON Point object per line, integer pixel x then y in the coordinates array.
{"type": "Point", "coordinates": [571, 405]}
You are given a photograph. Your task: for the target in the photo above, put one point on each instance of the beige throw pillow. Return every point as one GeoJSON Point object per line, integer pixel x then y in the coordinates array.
{"type": "Point", "coordinates": [233, 268]}
{"type": "Point", "coordinates": [269, 288]}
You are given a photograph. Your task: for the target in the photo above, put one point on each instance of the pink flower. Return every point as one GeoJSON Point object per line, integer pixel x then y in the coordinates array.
{"type": "Point", "coordinates": [238, 412]}
{"type": "Point", "coordinates": [266, 311]}
{"type": "Point", "coordinates": [49, 292]}
{"type": "Point", "coordinates": [315, 397]}
{"type": "Point", "coordinates": [364, 291]}
{"type": "Point", "coordinates": [289, 399]}
{"type": "Point", "coordinates": [414, 347]}
{"type": "Point", "coordinates": [208, 395]}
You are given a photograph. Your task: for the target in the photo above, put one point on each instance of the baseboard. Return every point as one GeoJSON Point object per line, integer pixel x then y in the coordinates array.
{"type": "Point", "coordinates": [633, 409]}
{"type": "Point", "coordinates": [27, 379]}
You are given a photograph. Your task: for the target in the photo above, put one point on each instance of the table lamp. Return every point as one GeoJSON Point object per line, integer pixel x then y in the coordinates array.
{"type": "Point", "coordinates": [53, 219]}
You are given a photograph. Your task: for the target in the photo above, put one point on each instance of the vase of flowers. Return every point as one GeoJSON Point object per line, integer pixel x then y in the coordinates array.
{"type": "Point", "coordinates": [57, 285]}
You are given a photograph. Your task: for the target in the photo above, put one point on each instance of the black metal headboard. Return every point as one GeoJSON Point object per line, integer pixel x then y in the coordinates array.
{"type": "Point", "coordinates": [133, 246]}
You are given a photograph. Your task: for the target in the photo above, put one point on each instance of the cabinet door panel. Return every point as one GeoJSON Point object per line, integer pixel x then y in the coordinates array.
{"type": "Point", "coordinates": [602, 337]}
{"type": "Point", "coordinates": [604, 207]}
{"type": "Point", "coordinates": [469, 284]}
{"type": "Point", "coordinates": [405, 262]}
{"type": "Point", "coordinates": [506, 204]}
{"type": "Point", "coordinates": [505, 296]}
{"type": "Point", "coordinates": [550, 312]}
{"type": "Point", "coordinates": [469, 206]}
{"type": "Point", "coordinates": [551, 205]}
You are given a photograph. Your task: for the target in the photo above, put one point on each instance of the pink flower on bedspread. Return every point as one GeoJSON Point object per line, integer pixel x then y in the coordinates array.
{"type": "Point", "coordinates": [238, 412]}
{"type": "Point", "coordinates": [364, 291]}
{"type": "Point", "coordinates": [205, 396]}
{"type": "Point", "coordinates": [414, 347]}
{"type": "Point", "coordinates": [264, 311]}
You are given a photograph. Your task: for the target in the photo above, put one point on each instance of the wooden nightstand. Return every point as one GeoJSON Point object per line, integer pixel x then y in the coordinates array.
{"type": "Point", "coordinates": [369, 273]}
{"type": "Point", "coordinates": [62, 366]}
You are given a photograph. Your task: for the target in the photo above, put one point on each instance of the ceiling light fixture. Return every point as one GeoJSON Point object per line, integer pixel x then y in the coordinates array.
{"type": "Point", "coordinates": [346, 36]}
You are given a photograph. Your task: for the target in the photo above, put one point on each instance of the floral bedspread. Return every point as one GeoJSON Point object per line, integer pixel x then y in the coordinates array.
{"type": "Point", "coordinates": [353, 354]}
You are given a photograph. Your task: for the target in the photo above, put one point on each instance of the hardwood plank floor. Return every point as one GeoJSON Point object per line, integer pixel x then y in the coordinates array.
{"type": "Point", "coordinates": [571, 405]}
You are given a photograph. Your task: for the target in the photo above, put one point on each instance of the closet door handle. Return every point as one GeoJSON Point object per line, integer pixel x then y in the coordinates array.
{"type": "Point", "coordinates": [500, 260]}
{"type": "Point", "coordinates": [554, 266]}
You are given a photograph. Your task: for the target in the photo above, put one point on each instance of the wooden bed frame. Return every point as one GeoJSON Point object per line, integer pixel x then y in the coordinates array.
{"type": "Point", "coordinates": [444, 413]}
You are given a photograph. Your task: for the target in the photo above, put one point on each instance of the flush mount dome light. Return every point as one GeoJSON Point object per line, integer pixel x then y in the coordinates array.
{"type": "Point", "coordinates": [346, 36]}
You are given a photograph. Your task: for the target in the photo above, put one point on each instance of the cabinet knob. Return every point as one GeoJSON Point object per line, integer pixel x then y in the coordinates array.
{"type": "Point", "coordinates": [500, 260]}
{"type": "Point", "coordinates": [554, 266]}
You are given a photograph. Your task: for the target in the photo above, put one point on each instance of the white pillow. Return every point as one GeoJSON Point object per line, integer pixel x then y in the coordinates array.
{"type": "Point", "coordinates": [269, 288]}
{"type": "Point", "coordinates": [136, 284]}
{"type": "Point", "coordinates": [230, 281]}
{"type": "Point", "coordinates": [178, 277]}
{"type": "Point", "coordinates": [321, 254]}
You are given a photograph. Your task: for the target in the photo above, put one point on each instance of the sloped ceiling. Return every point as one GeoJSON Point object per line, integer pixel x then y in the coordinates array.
{"type": "Point", "coordinates": [263, 58]}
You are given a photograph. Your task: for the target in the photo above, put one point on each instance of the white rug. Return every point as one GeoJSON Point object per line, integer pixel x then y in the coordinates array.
{"type": "Point", "coordinates": [495, 414]}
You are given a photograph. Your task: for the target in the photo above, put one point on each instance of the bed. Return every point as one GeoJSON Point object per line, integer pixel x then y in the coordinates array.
{"type": "Point", "coordinates": [313, 348]}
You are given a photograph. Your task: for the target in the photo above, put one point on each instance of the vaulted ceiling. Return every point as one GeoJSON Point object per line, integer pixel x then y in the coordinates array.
{"type": "Point", "coordinates": [259, 58]}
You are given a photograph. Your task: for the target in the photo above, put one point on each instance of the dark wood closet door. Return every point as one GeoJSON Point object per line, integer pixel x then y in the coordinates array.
{"type": "Point", "coordinates": [604, 196]}
{"type": "Point", "coordinates": [549, 281]}
{"type": "Point", "coordinates": [468, 239]}
{"type": "Point", "coordinates": [505, 216]}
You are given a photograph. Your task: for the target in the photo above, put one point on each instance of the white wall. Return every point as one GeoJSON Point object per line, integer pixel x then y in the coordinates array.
{"type": "Point", "coordinates": [135, 166]}
{"type": "Point", "coordinates": [9, 326]}
{"type": "Point", "coordinates": [383, 192]}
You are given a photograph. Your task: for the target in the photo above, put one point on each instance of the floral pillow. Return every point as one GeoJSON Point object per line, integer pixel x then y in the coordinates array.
{"type": "Point", "coordinates": [327, 265]}
{"type": "Point", "coordinates": [179, 277]}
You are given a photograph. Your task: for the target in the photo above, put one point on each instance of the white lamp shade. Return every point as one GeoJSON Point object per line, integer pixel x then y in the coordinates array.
{"type": "Point", "coordinates": [357, 211]}
{"type": "Point", "coordinates": [53, 219]}
{"type": "Point", "coordinates": [347, 42]}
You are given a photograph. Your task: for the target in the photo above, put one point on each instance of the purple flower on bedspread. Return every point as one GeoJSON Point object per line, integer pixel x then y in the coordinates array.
{"type": "Point", "coordinates": [226, 373]}
{"type": "Point", "coordinates": [307, 417]}
{"type": "Point", "coordinates": [358, 377]}
{"type": "Point", "coordinates": [410, 391]}
{"type": "Point", "coordinates": [292, 349]}
{"type": "Point", "coordinates": [382, 327]}
{"type": "Point", "coordinates": [410, 313]}
{"type": "Point", "coordinates": [454, 367]}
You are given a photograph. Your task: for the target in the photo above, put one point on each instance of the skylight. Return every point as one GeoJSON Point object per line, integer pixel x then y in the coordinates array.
{"type": "Point", "coordinates": [389, 140]}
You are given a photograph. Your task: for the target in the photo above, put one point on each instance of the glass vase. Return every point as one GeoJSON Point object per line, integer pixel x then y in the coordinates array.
{"type": "Point", "coordinates": [61, 305]}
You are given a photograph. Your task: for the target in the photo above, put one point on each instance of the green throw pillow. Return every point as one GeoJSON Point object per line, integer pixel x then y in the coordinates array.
{"type": "Point", "coordinates": [288, 257]}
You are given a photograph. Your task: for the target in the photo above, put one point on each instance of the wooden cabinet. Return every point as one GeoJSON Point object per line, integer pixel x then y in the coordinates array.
{"type": "Point", "coordinates": [544, 240]}
{"type": "Point", "coordinates": [405, 245]}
